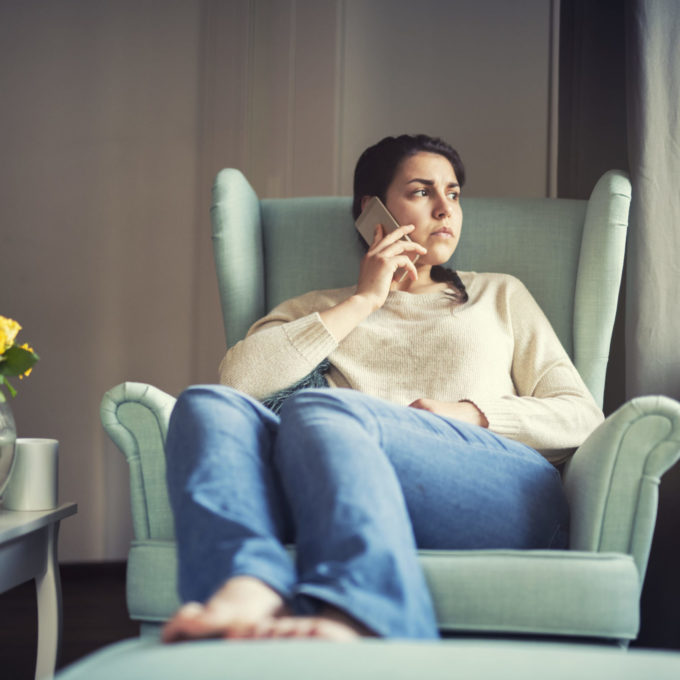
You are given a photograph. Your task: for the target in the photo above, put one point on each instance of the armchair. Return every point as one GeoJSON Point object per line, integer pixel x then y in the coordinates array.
{"type": "Point", "coordinates": [569, 253]}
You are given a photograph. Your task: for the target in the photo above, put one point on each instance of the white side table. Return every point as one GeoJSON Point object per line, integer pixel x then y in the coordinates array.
{"type": "Point", "coordinates": [28, 550]}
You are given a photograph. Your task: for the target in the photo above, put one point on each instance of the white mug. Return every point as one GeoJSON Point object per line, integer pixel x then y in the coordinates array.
{"type": "Point", "coordinates": [35, 476]}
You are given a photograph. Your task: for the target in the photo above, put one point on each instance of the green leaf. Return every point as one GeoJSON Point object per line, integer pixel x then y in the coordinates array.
{"type": "Point", "coordinates": [17, 361]}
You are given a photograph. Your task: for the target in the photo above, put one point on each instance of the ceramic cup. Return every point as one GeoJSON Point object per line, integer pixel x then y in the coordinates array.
{"type": "Point", "coordinates": [33, 482]}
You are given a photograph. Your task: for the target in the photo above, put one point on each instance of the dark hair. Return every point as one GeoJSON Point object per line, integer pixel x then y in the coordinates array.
{"type": "Point", "coordinates": [377, 167]}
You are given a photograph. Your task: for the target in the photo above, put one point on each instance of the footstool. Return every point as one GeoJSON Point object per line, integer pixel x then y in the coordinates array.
{"type": "Point", "coordinates": [143, 658]}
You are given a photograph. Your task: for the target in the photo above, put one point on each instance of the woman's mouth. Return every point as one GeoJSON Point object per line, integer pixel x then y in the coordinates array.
{"type": "Point", "coordinates": [444, 232]}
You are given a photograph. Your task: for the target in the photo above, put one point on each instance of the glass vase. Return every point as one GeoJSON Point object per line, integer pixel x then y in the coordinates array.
{"type": "Point", "coordinates": [8, 436]}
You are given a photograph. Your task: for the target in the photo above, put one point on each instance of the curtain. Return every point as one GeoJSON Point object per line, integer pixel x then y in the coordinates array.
{"type": "Point", "coordinates": [653, 274]}
{"type": "Point", "coordinates": [653, 281]}
{"type": "Point", "coordinates": [593, 126]}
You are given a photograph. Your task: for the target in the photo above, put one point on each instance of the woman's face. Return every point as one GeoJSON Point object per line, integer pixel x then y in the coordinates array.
{"type": "Point", "coordinates": [425, 193]}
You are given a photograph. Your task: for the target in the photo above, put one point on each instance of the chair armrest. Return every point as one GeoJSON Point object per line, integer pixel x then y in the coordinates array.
{"type": "Point", "coordinates": [612, 480]}
{"type": "Point", "coordinates": [136, 417]}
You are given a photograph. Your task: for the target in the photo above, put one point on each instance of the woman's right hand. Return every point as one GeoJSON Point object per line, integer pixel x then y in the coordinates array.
{"type": "Point", "coordinates": [386, 255]}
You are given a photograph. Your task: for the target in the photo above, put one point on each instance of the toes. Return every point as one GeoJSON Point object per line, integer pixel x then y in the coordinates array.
{"type": "Point", "coordinates": [241, 630]}
{"type": "Point", "coordinates": [302, 627]}
{"type": "Point", "coordinates": [178, 627]}
{"type": "Point", "coordinates": [195, 621]}
{"type": "Point", "coordinates": [293, 627]}
{"type": "Point", "coordinates": [332, 630]}
{"type": "Point", "coordinates": [192, 621]}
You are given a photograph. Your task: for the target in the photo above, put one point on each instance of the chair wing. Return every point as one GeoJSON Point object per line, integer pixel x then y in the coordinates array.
{"type": "Point", "coordinates": [599, 277]}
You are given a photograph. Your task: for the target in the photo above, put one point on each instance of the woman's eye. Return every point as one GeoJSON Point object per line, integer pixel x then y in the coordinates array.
{"type": "Point", "coordinates": [453, 195]}
{"type": "Point", "coordinates": [420, 192]}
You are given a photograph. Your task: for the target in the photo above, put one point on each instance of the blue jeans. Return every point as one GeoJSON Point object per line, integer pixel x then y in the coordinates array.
{"type": "Point", "coordinates": [358, 484]}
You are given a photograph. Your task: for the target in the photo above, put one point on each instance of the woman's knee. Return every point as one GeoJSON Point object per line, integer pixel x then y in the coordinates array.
{"type": "Point", "coordinates": [197, 400]}
{"type": "Point", "coordinates": [316, 421]}
{"type": "Point", "coordinates": [323, 411]}
{"type": "Point", "coordinates": [200, 408]}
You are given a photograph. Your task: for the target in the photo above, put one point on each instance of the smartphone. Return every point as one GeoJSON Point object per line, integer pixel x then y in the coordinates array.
{"type": "Point", "coordinates": [372, 215]}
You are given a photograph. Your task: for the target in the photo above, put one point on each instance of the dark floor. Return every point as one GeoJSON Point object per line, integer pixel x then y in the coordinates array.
{"type": "Point", "coordinates": [94, 610]}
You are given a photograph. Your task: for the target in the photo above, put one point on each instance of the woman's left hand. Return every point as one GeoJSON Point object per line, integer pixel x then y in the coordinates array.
{"type": "Point", "coordinates": [460, 410]}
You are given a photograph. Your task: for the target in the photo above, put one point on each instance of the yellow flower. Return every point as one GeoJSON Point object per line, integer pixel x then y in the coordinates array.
{"type": "Point", "coordinates": [14, 360]}
{"type": "Point", "coordinates": [8, 331]}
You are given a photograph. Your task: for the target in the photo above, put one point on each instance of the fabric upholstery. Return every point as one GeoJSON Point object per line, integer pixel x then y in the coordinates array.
{"type": "Point", "coordinates": [612, 480]}
{"type": "Point", "coordinates": [599, 277]}
{"type": "Point", "coordinates": [369, 660]}
{"type": "Point", "coordinates": [238, 253]}
{"type": "Point", "coordinates": [504, 591]}
{"type": "Point", "coordinates": [136, 418]}
{"type": "Point", "coordinates": [570, 255]}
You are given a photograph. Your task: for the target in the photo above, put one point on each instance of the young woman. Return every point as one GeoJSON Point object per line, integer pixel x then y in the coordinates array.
{"type": "Point", "coordinates": [459, 399]}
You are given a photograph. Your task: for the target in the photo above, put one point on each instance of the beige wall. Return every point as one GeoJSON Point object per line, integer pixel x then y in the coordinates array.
{"type": "Point", "coordinates": [115, 116]}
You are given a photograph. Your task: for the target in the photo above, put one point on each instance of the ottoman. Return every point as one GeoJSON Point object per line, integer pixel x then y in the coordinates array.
{"type": "Point", "coordinates": [144, 658]}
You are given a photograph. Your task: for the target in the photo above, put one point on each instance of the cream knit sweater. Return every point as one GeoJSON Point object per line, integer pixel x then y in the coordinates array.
{"type": "Point", "coordinates": [497, 350]}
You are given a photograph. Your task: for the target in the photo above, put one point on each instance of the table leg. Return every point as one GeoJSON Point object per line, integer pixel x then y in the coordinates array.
{"type": "Point", "coordinates": [48, 590]}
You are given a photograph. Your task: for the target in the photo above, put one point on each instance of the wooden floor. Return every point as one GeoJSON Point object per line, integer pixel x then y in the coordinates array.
{"type": "Point", "coordinates": [95, 615]}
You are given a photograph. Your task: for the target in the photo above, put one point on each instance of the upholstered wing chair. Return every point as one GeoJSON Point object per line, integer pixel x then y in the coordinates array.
{"type": "Point", "coordinates": [570, 255]}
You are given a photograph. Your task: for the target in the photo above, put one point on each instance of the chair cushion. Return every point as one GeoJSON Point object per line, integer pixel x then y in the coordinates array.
{"type": "Point", "coordinates": [503, 591]}
{"type": "Point", "coordinates": [553, 591]}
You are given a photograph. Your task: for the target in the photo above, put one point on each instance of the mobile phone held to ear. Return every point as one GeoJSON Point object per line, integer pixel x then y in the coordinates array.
{"type": "Point", "coordinates": [372, 215]}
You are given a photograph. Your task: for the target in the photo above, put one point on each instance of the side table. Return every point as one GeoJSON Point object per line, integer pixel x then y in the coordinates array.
{"type": "Point", "coordinates": [28, 550]}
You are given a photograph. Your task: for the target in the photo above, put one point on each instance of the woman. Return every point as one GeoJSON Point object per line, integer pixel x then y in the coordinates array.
{"type": "Point", "coordinates": [461, 395]}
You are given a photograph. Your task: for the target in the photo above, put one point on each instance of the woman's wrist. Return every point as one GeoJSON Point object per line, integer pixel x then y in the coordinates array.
{"type": "Point", "coordinates": [344, 317]}
{"type": "Point", "coordinates": [366, 304]}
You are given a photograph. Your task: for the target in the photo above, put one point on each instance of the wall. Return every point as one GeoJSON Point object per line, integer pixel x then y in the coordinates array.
{"type": "Point", "coordinates": [116, 116]}
{"type": "Point", "coordinates": [97, 208]}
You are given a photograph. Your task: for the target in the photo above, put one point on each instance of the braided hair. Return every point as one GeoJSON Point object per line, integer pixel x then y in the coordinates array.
{"type": "Point", "coordinates": [375, 171]}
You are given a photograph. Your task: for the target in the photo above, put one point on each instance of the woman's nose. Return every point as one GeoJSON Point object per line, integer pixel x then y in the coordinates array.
{"type": "Point", "coordinates": [441, 208]}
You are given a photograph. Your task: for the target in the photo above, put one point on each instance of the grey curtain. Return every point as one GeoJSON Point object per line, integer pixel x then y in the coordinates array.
{"type": "Point", "coordinates": [653, 274]}
{"type": "Point", "coordinates": [653, 280]}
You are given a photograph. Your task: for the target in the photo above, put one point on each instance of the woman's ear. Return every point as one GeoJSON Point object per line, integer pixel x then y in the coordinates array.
{"type": "Point", "coordinates": [364, 201]}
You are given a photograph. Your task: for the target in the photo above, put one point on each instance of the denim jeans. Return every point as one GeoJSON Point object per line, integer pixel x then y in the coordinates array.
{"type": "Point", "coordinates": [357, 484]}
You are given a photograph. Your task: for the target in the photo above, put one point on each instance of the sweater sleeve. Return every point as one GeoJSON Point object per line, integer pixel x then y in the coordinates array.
{"type": "Point", "coordinates": [280, 349]}
{"type": "Point", "coordinates": [552, 410]}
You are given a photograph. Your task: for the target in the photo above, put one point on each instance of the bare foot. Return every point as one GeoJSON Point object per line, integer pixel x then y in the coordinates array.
{"type": "Point", "coordinates": [241, 603]}
{"type": "Point", "coordinates": [330, 624]}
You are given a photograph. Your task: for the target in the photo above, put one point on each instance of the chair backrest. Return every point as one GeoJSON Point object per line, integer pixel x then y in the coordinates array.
{"type": "Point", "coordinates": [569, 253]}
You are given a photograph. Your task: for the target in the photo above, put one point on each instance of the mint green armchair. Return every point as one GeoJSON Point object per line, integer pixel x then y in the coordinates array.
{"type": "Point", "coordinates": [570, 255]}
